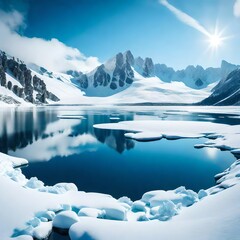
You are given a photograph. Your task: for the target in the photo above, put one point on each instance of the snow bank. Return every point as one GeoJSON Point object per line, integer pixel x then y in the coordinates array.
{"type": "Point", "coordinates": [34, 204]}
{"type": "Point", "coordinates": [177, 196]}
{"type": "Point", "coordinates": [227, 179]}
{"type": "Point", "coordinates": [16, 162]}
{"type": "Point", "coordinates": [195, 222]}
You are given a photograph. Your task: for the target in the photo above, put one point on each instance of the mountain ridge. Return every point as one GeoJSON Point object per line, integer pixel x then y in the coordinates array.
{"type": "Point", "coordinates": [195, 77]}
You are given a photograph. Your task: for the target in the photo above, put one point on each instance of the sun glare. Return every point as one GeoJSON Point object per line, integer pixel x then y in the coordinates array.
{"type": "Point", "coordinates": [215, 41]}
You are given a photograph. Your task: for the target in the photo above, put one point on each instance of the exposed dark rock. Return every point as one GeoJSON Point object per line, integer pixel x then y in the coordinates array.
{"type": "Point", "coordinates": [52, 97]}
{"type": "Point", "coordinates": [101, 78]}
{"type": "Point", "coordinates": [129, 58]}
{"type": "Point", "coordinates": [199, 82]}
{"type": "Point", "coordinates": [148, 69]}
{"type": "Point", "coordinates": [73, 73]}
{"type": "Point", "coordinates": [113, 85]}
{"type": "Point", "coordinates": [3, 60]}
{"type": "Point", "coordinates": [8, 100]}
{"type": "Point", "coordinates": [28, 89]}
{"type": "Point", "coordinates": [82, 80]}
{"type": "Point", "coordinates": [226, 92]}
{"type": "Point", "coordinates": [121, 83]}
{"type": "Point", "coordinates": [3, 79]}
{"type": "Point", "coordinates": [129, 80]}
{"type": "Point", "coordinates": [18, 91]}
{"type": "Point", "coordinates": [9, 85]}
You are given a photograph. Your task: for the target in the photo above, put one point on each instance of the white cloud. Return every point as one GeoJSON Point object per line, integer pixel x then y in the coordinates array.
{"type": "Point", "coordinates": [185, 18]}
{"type": "Point", "coordinates": [51, 54]}
{"type": "Point", "coordinates": [236, 8]}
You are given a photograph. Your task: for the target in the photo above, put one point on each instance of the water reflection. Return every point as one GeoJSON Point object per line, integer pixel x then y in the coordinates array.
{"type": "Point", "coordinates": [92, 158]}
{"type": "Point", "coordinates": [41, 131]}
{"type": "Point", "coordinates": [23, 132]}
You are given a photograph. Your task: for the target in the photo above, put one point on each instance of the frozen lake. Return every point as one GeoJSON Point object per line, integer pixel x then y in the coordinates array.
{"type": "Point", "coordinates": [62, 146]}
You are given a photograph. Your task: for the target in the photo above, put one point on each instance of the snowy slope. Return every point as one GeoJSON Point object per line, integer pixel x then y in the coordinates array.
{"type": "Point", "coordinates": [226, 92]}
{"type": "Point", "coordinates": [142, 90]}
{"type": "Point", "coordinates": [153, 90]}
{"type": "Point", "coordinates": [62, 87]}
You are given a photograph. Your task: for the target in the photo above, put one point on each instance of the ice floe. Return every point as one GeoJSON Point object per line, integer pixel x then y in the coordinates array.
{"type": "Point", "coordinates": [221, 135]}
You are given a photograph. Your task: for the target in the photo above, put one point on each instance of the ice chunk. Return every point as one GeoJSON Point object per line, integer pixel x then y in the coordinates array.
{"type": "Point", "coordinates": [65, 219]}
{"type": "Point", "coordinates": [126, 200]}
{"type": "Point", "coordinates": [43, 230]}
{"type": "Point", "coordinates": [59, 188]}
{"type": "Point", "coordinates": [49, 215]}
{"type": "Point", "coordinates": [202, 193]}
{"type": "Point", "coordinates": [166, 211]}
{"type": "Point", "coordinates": [66, 207]}
{"type": "Point", "coordinates": [115, 213]}
{"type": "Point", "coordinates": [91, 212]}
{"type": "Point", "coordinates": [138, 206]}
{"type": "Point", "coordinates": [34, 183]}
{"type": "Point", "coordinates": [67, 187]}
{"type": "Point", "coordinates": [180, 195]}
{"type": "Point", "coordinates": [34, 222]}
{"type": "Point", "coordinates": [43, 219]}
{"type": "Point", "coordinates": [144, 136]}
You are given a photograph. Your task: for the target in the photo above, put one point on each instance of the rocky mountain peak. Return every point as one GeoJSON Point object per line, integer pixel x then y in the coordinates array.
{"type": "Point", "coordinates": [129, 57]}
{"type": "Point", "coordinates": [148, 69]}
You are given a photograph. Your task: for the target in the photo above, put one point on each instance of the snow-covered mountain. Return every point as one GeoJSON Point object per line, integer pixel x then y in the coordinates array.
{"type": "Point", "coordinates": [121, 80]}
{"type": "Point", "coordinates": [226, 92]}
{"type": "Point", "coordinates": [117, 74]}
{"type": "Point", "coordinates": [193, 77]}
{"type": "Point", "coordinates": [107, 79]}
{"type": "Point", "coordinates": [18, 84]}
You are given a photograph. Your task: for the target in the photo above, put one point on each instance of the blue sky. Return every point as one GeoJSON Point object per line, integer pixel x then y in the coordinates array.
{"type": "Point", "coordinates": [146, 27]}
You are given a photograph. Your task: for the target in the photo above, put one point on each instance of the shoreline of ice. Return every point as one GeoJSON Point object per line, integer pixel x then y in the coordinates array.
{"type": "Point", "coordinates": [39, 207]}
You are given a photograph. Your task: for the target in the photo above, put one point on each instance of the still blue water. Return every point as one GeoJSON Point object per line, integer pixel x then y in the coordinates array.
{"type": "Point", "coordinates": [71, 150]}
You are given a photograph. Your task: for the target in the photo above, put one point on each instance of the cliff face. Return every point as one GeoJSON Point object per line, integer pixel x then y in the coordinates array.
{"type": "Point", "coordinates": [226, 92]}
{"type": "Point", "coordinates": [31, 88]}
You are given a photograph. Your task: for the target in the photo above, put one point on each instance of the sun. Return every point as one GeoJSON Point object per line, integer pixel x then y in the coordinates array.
{"type": "Point", "coordinates": [215, 41]}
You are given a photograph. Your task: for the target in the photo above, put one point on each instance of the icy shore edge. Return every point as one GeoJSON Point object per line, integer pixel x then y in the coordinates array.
{"type": "Point", "coordinates": [41, 208]}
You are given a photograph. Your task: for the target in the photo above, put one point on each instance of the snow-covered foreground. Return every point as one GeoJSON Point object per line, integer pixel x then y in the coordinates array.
{"type": "Point", "coordinates": [30, 208]}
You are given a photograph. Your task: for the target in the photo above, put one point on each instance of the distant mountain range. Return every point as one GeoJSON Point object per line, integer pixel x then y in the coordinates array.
{"type": "Point", "coordinates": [123, 79]}
{"type": "Point", "coordinates": [117, 74]}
